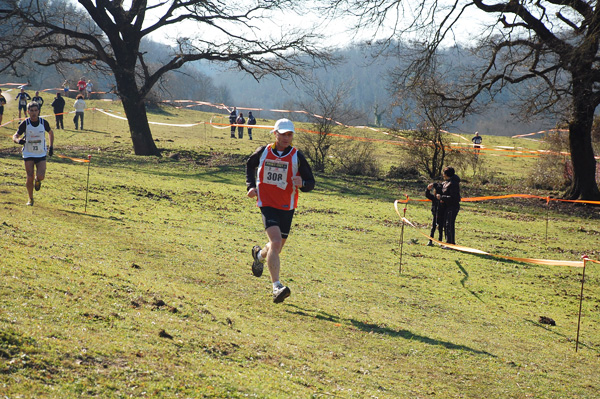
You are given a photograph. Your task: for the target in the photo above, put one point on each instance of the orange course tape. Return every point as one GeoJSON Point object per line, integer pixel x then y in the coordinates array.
{"type": "Point", "coordinates": [73, 159]}
{"type": "Point", "coordinates": [548, 262]}
{"type": "Point", "coordinates": [493, 197]}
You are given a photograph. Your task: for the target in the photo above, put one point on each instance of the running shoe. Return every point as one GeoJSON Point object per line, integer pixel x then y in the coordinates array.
{"type": "Point", "coordinates": [37, 185]}
{"type": "Point", "coordinates": [30, 202]}
{"type": "Point", "coordinates": [257, 265]}
{"type": "Point", "coordinates": [280, 293]}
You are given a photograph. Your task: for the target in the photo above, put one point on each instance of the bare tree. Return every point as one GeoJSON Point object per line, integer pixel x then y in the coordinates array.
{"type": "Point", "coordinates": [550, 45]}
{"type": "Point", "coordinates": [327, 108]}
{"type": "Point", "coordinates": [107, 36]}
{"type": "Point", "coordinates": [429, 145]}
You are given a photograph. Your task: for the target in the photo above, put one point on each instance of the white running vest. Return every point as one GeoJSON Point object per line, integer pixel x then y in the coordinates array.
{"type": "Point", "coordinates": [35, 137]}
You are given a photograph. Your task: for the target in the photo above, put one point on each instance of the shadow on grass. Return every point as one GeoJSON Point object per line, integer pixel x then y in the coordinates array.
{"type": "Point", "coordinates": [464, 280]}
{"type": "Point", "coordinates": [375, 329]}
{"type": "Point", "coordinates": [581, 344]}
{"type": "Point", "coordinates": [92, 215]}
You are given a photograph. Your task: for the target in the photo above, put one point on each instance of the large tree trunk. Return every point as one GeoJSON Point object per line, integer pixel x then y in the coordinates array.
{"type": "Point", "coordinates": [135, 111]}
{"type": "Point", "coordinates": [584, 184]}
{"type": "Point", "coordinates": [141, 136]}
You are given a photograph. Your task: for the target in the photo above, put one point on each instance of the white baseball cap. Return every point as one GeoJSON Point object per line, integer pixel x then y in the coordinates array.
{"type": "Point", "coordinates": [283, 126]}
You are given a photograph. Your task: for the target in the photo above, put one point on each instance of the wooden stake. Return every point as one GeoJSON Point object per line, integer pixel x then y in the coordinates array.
{"type": "Point", "coordinates": [585, 258]}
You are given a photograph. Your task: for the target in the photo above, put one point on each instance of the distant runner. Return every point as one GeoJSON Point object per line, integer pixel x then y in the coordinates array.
{"type": "Point", "coordinates": [22, 99]}
{"type": "Point", "coordinates": [274, 173]}
{"type": "Point", "coordinates": [34, 130]}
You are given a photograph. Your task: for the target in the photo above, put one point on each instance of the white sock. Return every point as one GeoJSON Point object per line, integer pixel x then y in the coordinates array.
{"type": "Point", "coordinates": [276, 285]}
{"type": "Point", "coordinates": [259, 257]}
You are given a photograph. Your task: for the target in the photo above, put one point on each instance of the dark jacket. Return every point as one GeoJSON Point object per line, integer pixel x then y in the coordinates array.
{"type": "Point", "coordinates": [451, 193]}
{"type": "Point", "coordinates": [435, 203]}
{"type": "Point", "coordinates": [58, 105]}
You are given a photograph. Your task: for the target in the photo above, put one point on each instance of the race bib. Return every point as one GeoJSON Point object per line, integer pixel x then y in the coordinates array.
{"type": "Point", "coordinates": [35, 147]}
{"type": "Point", "coordinates": [275, 173]}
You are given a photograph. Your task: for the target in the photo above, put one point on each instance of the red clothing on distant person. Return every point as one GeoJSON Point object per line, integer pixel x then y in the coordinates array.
{"type": "Point", "coordinates": [81, 85]}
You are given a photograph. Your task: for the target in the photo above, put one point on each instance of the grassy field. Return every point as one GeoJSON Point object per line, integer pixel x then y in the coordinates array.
{"type": "Point", "coordinates": [149, 292]}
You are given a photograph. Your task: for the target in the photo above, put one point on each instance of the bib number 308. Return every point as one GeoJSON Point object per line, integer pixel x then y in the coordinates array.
{"type": "Point", "coordinates": [274, 177]}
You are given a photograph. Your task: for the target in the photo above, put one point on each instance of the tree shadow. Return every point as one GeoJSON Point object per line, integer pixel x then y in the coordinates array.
{"type": "Point", "coordinates": [464, 280]}
{"type": "Point", "coordinates": [375, 329]}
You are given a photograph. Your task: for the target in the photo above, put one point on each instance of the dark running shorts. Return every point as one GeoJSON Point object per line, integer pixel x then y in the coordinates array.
{"type": "Point", "coordinates": [35, 160]}
{"type": "Point", "coordinates": [277, 217]}
{"type": "Point", "coordinates": [1, 109]}
{"type": "Point", "coordinates": [23, 107]}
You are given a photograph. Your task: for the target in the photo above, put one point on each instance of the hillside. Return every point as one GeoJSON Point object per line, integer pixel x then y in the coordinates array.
{"type": "Point", "coordinates": [148, 292]}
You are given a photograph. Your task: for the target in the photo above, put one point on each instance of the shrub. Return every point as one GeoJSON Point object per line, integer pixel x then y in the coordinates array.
{"type": "Point", "coordinates": [356, 158]}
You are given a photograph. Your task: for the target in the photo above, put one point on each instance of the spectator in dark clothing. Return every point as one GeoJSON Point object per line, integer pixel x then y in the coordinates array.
{"type": "Point", "coordinates": [240, 121]}
{"type": "Point", "coordinates": [450, 199]}
{"type": "Point", "coordinates": [58, 105]}
{"type": "Point", "coordinates": [251, 121]}
{"type": "Point", "coordinates": [232, 119]}
{"type": "Point", "coordinates": [437, 211]}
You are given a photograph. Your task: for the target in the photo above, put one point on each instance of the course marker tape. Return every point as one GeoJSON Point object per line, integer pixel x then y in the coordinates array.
{"type": "Point", "coordinates": [461, 248]}
{"type": "Point", "coordinates": [493, 197]}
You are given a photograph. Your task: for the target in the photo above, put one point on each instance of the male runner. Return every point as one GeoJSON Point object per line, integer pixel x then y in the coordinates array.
{"type": "Point", "coordinates": [22, 97]}
{"type": "Point", "coordinates": [34, 130]}
{"type": "Point", "coordinates": [274, 173]}
{"type": "Point", "coordinates": [38, 99]}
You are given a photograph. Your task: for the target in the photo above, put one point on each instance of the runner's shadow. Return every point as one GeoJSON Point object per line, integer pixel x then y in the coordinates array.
{"type": "Point", "coordinates": [375, 329]}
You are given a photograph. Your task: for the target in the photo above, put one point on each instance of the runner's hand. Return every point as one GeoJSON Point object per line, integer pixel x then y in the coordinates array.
{"type": "Point", "coordinates": [251, 193]}
{"type": "Point", "coordinates": [22, 141]}
{"type": "Point", "coordinates": [297, 181]}
{"type": "Point", "coordinates": [50, 151]}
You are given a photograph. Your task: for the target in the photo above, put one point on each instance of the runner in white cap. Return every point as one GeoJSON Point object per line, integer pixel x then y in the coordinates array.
{"type": "Point", "coordinates": [274, 173]}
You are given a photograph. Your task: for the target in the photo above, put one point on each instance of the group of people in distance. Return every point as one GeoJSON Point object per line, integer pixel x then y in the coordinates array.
{"type": "Point", "coordinates": [237, 119]}
{"type": "Point", "coordinates": [85, 88]}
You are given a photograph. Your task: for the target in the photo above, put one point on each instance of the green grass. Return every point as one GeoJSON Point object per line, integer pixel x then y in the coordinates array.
{"type": "Point", "coordinates": [165, 246]}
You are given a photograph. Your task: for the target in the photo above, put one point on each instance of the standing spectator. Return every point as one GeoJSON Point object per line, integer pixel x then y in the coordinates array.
{"type": "Point", "coordinates": [232, 119]}
{"type": "Point", "coordinates": [240, 121]}
{"type": "Point", "coordinates": [437, 211]}
{"type": "Point", "coordinates": [38, 99]}
{"type": "Point", "coordinates": [65, 86]}
{"type": "Point", "coordinates": [34, 150]}
{"type": "Point", "coordinates": [58, 105]}
{"type": "Point", "coordinates": [88, 88]}
{"type": "Point", "coordinates": [2, 104]}
{"type": "Point", "coordinates": [79, 108]}
{"type": "Point", "coordinates": [274, 174]}
{"type": "Point", "coordinates": [81, 86]}
{"type": "Point", "coordinates": [22, 99]}
{"type": "Point", "coordinates": [450, 199]}
{"type": "Point", "coordinates": [251, 122]}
